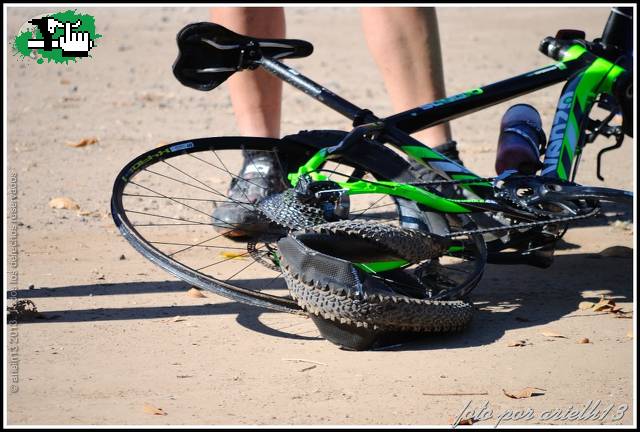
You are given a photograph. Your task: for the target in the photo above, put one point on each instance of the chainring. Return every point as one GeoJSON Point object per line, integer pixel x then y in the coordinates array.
{"type": "Point", "coordinates": [542, 197]}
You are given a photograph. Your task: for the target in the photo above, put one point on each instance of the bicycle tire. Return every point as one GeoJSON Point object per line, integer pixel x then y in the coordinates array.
{"type": "Point", "coordinates": [331, 287]}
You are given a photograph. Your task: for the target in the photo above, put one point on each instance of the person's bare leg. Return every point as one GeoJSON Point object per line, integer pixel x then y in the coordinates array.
{"type": "Point", "coordinates": [256, 96]}
{"type": "Point", "coordinates": [405, 44]}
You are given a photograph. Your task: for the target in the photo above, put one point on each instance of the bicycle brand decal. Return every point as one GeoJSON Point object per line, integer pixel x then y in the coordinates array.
{"type": "Point", "coordinates": [58, 37]}
{"type": "Point", "coordinates": [560, 66]}
{"type": "Point", "coordinates": [144, 162]}
{"type": "Point", "coordinates": [558, 131]}
{"type": "Point", "coordinates": [453, 98]}
{"type": "Point", "coordinates": [178, 147]}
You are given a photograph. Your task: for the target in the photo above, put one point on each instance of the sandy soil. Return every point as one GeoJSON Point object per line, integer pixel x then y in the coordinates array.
{"type": "Point", "coordinates": [110, 346]}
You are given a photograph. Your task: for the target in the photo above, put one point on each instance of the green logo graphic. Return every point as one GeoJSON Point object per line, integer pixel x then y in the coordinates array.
{"type": "Point", "coordinates": [59, 37]}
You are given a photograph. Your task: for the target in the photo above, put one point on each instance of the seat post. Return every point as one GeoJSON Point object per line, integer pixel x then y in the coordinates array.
{"type": "Point", "coordinates": [313, 89]}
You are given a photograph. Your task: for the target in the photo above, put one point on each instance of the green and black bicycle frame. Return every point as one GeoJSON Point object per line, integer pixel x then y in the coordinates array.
{"type": "Point", "coordinates": [587, 76]}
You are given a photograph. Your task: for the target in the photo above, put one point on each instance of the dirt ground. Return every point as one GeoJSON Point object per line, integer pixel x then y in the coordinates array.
{"type": "Point", "coordinates": [110, 344]}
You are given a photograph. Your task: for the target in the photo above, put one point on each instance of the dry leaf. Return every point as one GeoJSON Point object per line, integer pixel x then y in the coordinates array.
{"type": "Point", "coordinates": [584, 341]}
{"type": "Point", "coordinates": [462, 422]}
{"type": "Point", "coordinates": [23, 310]}
{"type": "Point", "coordinates": [526, 392]}
{"type": "Point", "coordinates": [585, 305]}
{"type": "Point", "coordinates": [65, 81]}
{"type": "Point", "coordinates": [517, 343]}
{"type": "Point", "coordinates": [195, 292]}
{"type": "Point", "coordinates": [150, 409]}
{"type": "Point", "coordinates": [552, 334]}
{"type": "Point", "coordinates": [604, 304]}
{"type": "Point", "coordinates": [232, 255]}
{"type": "Point", "coordinates": [630, 334]}
{"type": "Point", "coordinates": [64, 203]}
{"type": "Point", "coordinates": [82, 143]}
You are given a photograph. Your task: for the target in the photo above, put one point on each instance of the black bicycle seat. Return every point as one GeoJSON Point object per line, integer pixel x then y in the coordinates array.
{"type": "Point", "coordinates": [210, 53]}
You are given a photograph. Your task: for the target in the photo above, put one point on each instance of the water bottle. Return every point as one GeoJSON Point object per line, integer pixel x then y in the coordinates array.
{"type": "Point", "coordinates": [520, 140]}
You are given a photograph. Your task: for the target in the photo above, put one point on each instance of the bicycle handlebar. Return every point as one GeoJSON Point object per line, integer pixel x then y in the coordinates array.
{"type": "Point", "coordinates": [622, 90]}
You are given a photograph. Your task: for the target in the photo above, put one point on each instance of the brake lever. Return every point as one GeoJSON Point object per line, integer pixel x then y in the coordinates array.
{"type": "Point", "coordinates": [609, 131]}
{"type": "Point", "coordinates": [601, 127]}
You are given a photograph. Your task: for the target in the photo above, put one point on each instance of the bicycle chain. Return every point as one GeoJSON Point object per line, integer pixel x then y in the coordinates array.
{"type": "Point", "coordinates": [293, 214]}
{"type": "Point", "coordinates": [502, 228]}
{"type": "Point", "coordinates": [455, 182]}
{"type": "Point", "coordinates": [523, 225]}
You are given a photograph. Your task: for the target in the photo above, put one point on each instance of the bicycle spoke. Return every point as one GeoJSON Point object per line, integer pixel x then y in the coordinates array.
{"type": "Point", "coordinates": [159, 195]}
{"type": "Point", "coordinates": [198, 244]}
{"type": "Point", "coordinates": [195, 245]}
{"type": "Point", "coordinates": [335, 171]}
{"type": "Point", "coordinates": [281, 168]}
{"type": "Point", "coordinates": [272, 280]}
{"type": "Point", "coordinates": [164, 196]}
{"type": "Point", "coordinates": [213, 191]}
{"type": "Point", "coordinates": [371, 208]}
{"type": "Point", "coordinates": [168, 224]}
{"type": "Point", "coordinates": [182, 198]}
{"type": "Point", "coordinates": [225, 224]}
{"type": "Point", "coordinates": [191, 177]}
{"type": "Point", "coordinates": [225, 169]}
{"type": "Point", "coordinates": [165, 217]}
{"type": "Point", "coordinates": [255, 166]}
{"type": "Point", "coordinates": [372, 205]}
{"type": "Point", "coordinates": [224, 260]}
{"type": "Point", "coordinates": [241, 270]}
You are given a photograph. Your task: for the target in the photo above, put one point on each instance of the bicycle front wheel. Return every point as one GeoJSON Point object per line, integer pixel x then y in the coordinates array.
{"type": "Point", "coordinates": [164, 202]}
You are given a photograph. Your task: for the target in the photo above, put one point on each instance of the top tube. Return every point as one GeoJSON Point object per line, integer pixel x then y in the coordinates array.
{"type": "Point", "coordinates": [459, 105]}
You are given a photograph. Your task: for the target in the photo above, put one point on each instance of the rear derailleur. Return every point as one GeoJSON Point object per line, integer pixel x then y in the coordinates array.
{"type": "Point", "coordinates": [324, 194]}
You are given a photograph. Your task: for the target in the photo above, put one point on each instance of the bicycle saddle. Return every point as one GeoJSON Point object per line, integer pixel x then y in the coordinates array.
{"type": "Point", "coordinates": [210, 53]}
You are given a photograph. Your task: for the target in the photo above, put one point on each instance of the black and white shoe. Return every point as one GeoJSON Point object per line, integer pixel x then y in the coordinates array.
{"type": "Point", "coordinates": [259, 177]}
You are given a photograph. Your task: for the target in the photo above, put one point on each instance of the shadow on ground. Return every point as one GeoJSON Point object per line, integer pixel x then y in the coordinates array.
{"type": "Point", "coordinates": [508, 297]}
